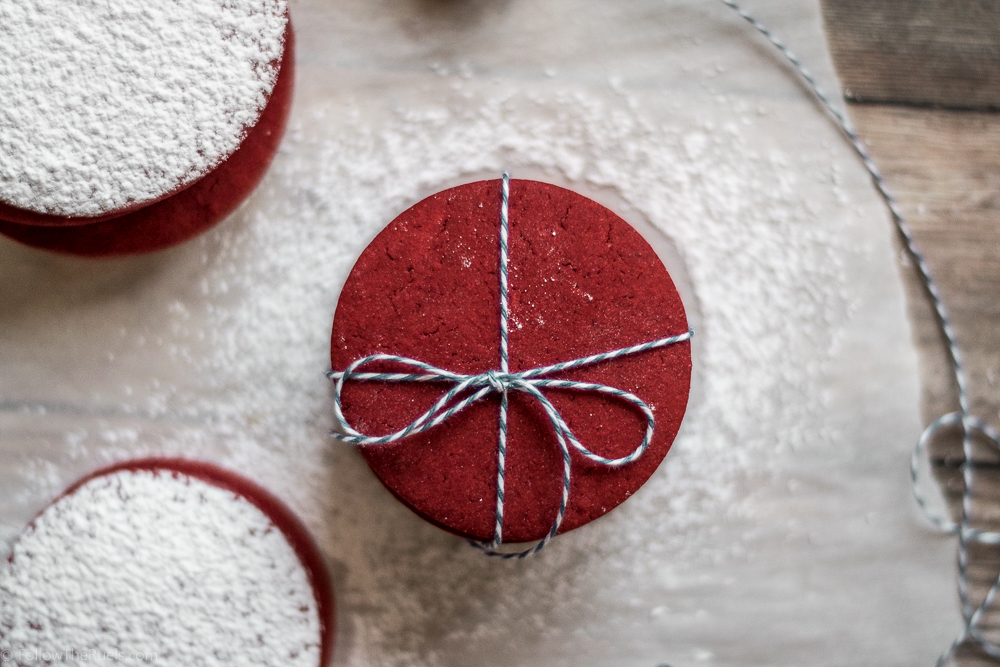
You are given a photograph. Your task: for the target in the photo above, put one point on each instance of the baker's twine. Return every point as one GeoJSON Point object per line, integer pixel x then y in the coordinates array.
{"type": "Point", "coordinates": [502, 382]}
{"type": "Point", "coordinates": [963, 418]}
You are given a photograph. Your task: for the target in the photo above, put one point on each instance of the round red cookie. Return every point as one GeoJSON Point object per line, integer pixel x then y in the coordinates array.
{"type": "Point", "coordinates": [294, 531]}
{"type": "Point", "coordinates": [177, 216]}
{"type": "Point", "coordinates": [582, 282]}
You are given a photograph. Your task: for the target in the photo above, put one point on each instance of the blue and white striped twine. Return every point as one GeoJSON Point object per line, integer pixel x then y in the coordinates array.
{"type": "Point", "coordinates": [963, 418]}
{"type": "Point", "coordinates": [501, 382]}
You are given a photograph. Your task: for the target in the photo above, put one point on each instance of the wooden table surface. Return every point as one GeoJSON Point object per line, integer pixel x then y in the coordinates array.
{"type": "Point", "coordinates": [922, 81]}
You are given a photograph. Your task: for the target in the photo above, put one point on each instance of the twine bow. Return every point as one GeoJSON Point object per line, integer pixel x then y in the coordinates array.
{"type": "Point", "coordinates": [501, 382]}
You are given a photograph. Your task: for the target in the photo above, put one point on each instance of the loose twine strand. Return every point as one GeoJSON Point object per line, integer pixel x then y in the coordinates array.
{"type": "Point", "coordinates": [970, 425]}
{"type": "Point", "coordinates": [483, 384]}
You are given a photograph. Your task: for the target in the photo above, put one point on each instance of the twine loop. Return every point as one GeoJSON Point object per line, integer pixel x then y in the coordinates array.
{"type": "Point", "coordinates": [973, 426]}
{"type": "Point", "coordinates": [468, 389]}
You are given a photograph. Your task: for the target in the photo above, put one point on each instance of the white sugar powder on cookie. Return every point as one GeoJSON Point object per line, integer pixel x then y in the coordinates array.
{"type": "Point", "coordinates": [168, 569]}
{"type": "Point", "coordinates": [111, 103]}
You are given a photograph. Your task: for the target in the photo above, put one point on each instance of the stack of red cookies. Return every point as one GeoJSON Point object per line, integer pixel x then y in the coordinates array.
{"type": "Point", "coordinates": [582, 282]}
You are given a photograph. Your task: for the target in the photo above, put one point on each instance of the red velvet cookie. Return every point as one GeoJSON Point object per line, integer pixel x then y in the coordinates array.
{"type": "Point", "coordinates": [582, 282]}
{"type": "Point", "coordinates": [198, 186]}
{"type": "Point", "coordinates": [170, 532]}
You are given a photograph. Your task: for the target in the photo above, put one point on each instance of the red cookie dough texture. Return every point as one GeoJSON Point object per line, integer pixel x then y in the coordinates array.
{"type": "Point", "coordinates": [89, 526]}
{"type": "Point", "coordinates": [582, 282]}
{"type": "Point", "coordinates": [197, 199]}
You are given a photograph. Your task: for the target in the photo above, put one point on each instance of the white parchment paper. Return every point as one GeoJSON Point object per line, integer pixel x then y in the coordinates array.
{"type": "Point", "coordinates": [779, 530]}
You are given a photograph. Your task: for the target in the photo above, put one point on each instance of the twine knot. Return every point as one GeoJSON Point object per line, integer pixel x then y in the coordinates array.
{"type": "Point", "coordinates": [500, 383]}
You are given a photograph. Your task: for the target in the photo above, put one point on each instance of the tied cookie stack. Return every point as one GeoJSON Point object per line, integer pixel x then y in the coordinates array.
{"type": "Point", "coordinates": [130, 126]}
{"type": "Point", "coordinates": [527, 301]}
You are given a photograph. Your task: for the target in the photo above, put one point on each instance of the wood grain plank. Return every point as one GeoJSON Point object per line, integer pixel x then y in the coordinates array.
{"type": "Point", "coordinates": [926, 52]}
{"type": "Point", "coordinates": [944, 168]}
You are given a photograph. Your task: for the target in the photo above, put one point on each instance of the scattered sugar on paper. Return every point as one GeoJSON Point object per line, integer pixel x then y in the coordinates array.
{"type": "Point", "coordinates": [753, 254]}
{"type": "Point", "coordinates": [161, 569]}
{"type": "Point", "coordinates": [111, 103]}
{"type": "Point", "coordinates": [248, 341]}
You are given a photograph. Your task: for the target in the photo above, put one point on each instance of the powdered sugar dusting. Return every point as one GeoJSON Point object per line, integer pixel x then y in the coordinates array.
{"type": "Point", "coordinates": [159, 569]}
{"type": "Point", "coordinates": [111, 103]}
{"type": "Point", "coordinates": [753, 250]}
{"type": "Point", "coordinates": [777, 531]}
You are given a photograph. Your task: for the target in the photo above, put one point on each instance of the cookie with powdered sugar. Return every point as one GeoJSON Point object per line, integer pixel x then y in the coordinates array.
{"type": "Point", "coordinates": [130, 126]}
{"type": "Point", "coordinates": [166, 561]}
